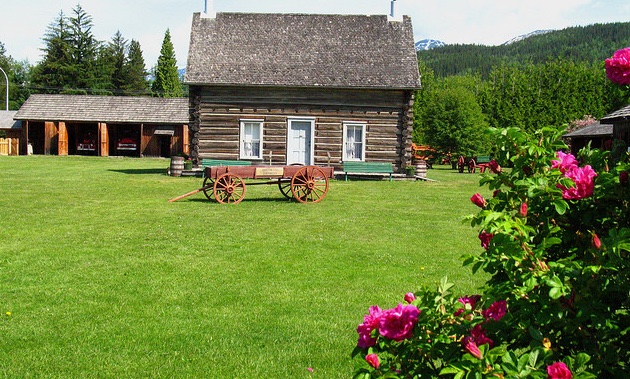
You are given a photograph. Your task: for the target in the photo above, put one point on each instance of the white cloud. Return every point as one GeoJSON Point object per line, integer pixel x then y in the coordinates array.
{"type": "Point", "coordinates": [453, 21]}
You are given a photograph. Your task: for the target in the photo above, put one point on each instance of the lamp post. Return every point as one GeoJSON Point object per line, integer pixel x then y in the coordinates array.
{"type": "Point", "coordinates": [7, 79]}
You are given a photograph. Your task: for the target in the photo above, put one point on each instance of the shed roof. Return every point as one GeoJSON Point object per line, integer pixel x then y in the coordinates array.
{"type": "Point", "coordinates": [113, 109]}
{"type": "Point", "coordinates": [301, 50]}
{"type": "Point", "coordinates": [7, 121]}
{"type": "Point", "coordinates": [620, 113]}
{"type": "Point", "coordinates": [595, 129]}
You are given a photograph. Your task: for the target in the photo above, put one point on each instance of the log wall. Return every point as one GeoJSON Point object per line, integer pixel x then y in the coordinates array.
{"type": "Point", "coordinates": [216, 113]}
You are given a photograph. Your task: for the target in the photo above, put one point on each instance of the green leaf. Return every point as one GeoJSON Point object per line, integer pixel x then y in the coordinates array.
{"type": "Point", "coordinates": [533, 358]}
{"type": "Point", "coordinates": [535, 333]}
{"type": "Point", "coordinates": [450, 370]}
{"type": "Point", "coordinates": [561, 206]}
{"type": "Point", "coordinates": [555, 293]}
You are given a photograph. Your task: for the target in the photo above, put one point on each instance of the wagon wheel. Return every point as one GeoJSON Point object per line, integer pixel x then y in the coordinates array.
{"type": "Point", "coordinates": [309, 184]}
{"type": "Point", "coordinates": [285, 188]}
{"type": "Point", "coordinates": [208, 187]}
{"type": "Point", "coordinates": [229, 189]}
{"type": "Point", "coordinates": [471, 165]}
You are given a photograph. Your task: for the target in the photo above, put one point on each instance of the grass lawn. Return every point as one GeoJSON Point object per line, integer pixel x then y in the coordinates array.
{"type": "Point", "coordinates": [102, 277]}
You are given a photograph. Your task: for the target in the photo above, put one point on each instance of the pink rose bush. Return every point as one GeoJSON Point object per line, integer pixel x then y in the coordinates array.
{"type": "Point", "coordinates": [555, 247]}
{"type": "Point", "coordinates": [618, 67]}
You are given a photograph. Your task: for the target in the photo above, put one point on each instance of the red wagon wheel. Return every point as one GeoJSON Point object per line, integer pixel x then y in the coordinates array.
{"type": "Point", "coordinates": [309, 184]}
{"type": "Point", "coordinates": [229, 189]}
{"type": "Point", "coordinates": [208, 187]}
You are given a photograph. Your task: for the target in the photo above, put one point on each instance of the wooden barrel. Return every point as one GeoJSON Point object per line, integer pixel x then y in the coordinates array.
{"type": "Point", "coordinates": [177, 166]}
{"type": "Point", "coordinates": [421, 168]}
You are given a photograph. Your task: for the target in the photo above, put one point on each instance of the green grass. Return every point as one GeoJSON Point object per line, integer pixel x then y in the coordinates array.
{"type": "Point", "coordinates": [104, 278]}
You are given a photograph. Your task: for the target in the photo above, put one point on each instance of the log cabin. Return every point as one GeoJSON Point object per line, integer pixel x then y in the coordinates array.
{"type": "Point", "coordinates": [104, 125]}
{"type": "Point", "coordinates": [620, 120]}
{"type": "Point", "coordinates": [286, 89]}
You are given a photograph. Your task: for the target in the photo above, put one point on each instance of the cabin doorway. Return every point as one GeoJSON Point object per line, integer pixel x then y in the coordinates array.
{"type": "Point", "coordinates": [299, 142]}
{"type": "Point", "coordinates": [164, 141]}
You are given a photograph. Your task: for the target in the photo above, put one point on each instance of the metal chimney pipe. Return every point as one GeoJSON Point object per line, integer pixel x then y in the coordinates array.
{"type": "Point", "coordinates": [393, 9]}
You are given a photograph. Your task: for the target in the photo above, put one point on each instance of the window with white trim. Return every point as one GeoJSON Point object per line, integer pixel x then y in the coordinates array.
{"type": "Point", "coordinates": [251, 139]}
{"type": "Point", "coordinates": [353, 141]}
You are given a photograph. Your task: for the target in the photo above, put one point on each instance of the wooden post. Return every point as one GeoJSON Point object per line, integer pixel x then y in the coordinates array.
{"type": "Point", "coordinates": [185, 140]}
{"type": "Point", "coordinates": [103, 140]}
{"type": "Point", "coordinates": [63, 139]}
{"type": "Point", "coordinates": [50, 137]}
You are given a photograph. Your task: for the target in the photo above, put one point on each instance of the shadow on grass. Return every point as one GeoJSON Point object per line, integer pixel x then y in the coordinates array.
{"type": "Point", "coordinates": [142, 171]}
{"type": "Point", "coordinates": [203, 199]}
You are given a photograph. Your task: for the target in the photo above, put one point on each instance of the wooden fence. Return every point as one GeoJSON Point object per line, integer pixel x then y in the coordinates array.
{"type": "Point", "coordinates": [8, 146]}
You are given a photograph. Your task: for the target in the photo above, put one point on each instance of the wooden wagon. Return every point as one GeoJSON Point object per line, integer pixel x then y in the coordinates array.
{"type": "Point", "coordinates": [226, 184]}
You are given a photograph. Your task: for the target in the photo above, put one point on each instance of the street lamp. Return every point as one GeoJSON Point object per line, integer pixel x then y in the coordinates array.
{"type": "Point", "coordinates": [7, 79]}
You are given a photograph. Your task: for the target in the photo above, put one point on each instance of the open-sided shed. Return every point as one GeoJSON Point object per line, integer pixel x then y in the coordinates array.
{"type": "Point", "coordinates": [104, 125]}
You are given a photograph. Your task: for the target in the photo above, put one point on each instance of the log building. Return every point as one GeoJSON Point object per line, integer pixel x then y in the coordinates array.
{"type": "Point", "coordinates": [302, 89]}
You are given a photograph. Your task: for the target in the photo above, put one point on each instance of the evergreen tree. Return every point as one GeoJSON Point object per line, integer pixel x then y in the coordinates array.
{"type": "Point", "coordinates": [166, 83]}
{"type": "Point", "coordinates": [117, 48]}
{"type": "Point", "coordinates": [135, 72]}
{"type": "Point", "coordinates": [52, 74]}
{"type": "Point", "coordinates": [84, 48]}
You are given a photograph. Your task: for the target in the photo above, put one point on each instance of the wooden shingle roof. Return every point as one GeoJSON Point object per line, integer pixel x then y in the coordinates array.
{"type": "Point", "coordinates": [595, 129]}
{"type": "Point", "coordinates": [301, 50]}
{"type": "Point", "coordinates": [620, 113]}
{"type": "Point", "coordinates": [112, 109]}
{"type": "Point", "coordinates": [7, 121]}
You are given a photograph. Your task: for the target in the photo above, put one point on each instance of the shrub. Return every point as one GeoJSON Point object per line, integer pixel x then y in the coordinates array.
{"type": "Point", "coordinates": [555, 237]}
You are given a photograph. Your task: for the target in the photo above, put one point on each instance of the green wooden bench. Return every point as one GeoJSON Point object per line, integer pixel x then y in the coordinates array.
{"type": "Point", "coordinates": [222, 162]}
{"type": "Point", "coordinates": [353, 167]}
{"type": "Point", "coordinates": [483, 159]}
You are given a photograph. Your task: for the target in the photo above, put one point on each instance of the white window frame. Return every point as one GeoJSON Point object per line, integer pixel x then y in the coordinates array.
{"type": "Point", "coordinates": [243, 151]}
{"type": "Point", "coordinates": [363, 126]}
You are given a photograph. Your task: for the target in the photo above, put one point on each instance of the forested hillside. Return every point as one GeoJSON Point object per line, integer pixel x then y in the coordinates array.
{"type": "Point", "coordinates": [588, 44]}
{"type": "Point", "coordinates": [549, 80]}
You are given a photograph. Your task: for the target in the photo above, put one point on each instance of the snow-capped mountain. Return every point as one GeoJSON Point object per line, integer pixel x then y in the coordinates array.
{"type": "Point", "coordinates": [524, 36]}
{"type": "Point", "coordinates": [428, 44]}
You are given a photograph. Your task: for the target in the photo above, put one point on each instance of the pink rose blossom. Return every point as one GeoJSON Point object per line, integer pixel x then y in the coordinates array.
{"type": "Point", "coordinates": [478, 200]}
{"type": "Point", "coordinates": [584, 179]}
{"type": "Point", "coordinates": [523, 210]}
{"type": "Point", "coordinates": [485, 238]}
{"type": "Point", "coordinates": [494, 166]}
{"type": "Point", "coordinates": [496, 311]}
{"type": "Point", "coordinates": [558, 370]}
{"type": "Point", "coordinates": [473, 349]}
{"type": "Point", "coordinates": [596, 241]}
{"type": "Point", "coordinates": [373, 360]}
{"type": "Point", "coordinates": [397, 323]}
{"type": "Point", "coordinates": [566, 162]}
{"type": "Point", "coordinates": [472, 300]}
{"type": "Point", "coordinates": [409, 297]}
{"type": "Point", "coordinates": [478, 335]}
{"type": "Point", "coordinates": [370, 322]}
{"type": "Point", "coordinates": [618, 67]}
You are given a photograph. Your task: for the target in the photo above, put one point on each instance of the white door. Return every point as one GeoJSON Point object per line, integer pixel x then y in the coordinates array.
{"type": "Point", "coordinates": [299, 142]}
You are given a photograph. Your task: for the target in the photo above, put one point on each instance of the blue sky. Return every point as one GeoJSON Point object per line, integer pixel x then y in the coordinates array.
{"type": "Point", "coordinates": [489, 22]}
